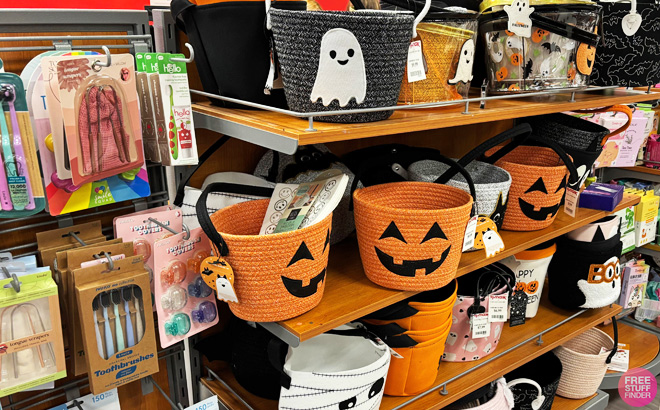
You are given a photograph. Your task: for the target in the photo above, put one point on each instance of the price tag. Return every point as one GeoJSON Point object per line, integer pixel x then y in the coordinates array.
{"type": "Point", "coordinates": [480, 326]}
{"type": "Point", "coordinates": [415, 65]}
{"type": "Point", "coordinates": [498, 307]}
{"type": "Point", "coordinates": [468, 239]}
{"type": "Point", "coordinates": [571, 201]}
{"type": "Point", "coordinates": [207, 404]}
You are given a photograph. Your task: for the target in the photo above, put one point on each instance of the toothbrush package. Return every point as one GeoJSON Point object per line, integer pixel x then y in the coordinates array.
{"type": "Point", "coordinates": [118, 331]}
{"type": "Point", "coordinates": [31, 345]}
{"type": "Point", "coordinates": [167, 80]}
{"type": "Point", "coordinates": [103, 133]}
{"type": "Point", "coordinates": [76, 259]}
{"type": "Point", "coordinates": [185, 304]}
{"type": "Point", "coordinates": [21, 192]}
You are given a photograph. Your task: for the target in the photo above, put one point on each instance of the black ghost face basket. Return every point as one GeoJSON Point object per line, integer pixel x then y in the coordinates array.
{"type": "Point", "coordinates": [337, 60]}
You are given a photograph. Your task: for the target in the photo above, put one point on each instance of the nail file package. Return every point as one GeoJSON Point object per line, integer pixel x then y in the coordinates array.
{"type": "Point", "coordinates": [118, 330]}
{"type": "Point", "coordinates": [169, 108]}
{"type": "Point", "coordinates": [21, 192]}
{"type": "Point", "coordinates": [184, 302]}
{"type": "Point", "coordinates": [31, 345]}
{"type": "Point", "coordinates": [47, 85]}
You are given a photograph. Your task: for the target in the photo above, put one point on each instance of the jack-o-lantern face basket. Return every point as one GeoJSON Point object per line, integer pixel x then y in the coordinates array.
{"type": "Point", "coordinates": [410, 234]}
{"type": "Point", "coordinates": [276, 276]}
{"type": "Point", "coordinates": [539, 177]}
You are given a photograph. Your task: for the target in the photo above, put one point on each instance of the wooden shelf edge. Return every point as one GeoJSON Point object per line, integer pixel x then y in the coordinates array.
{"type": "Point", "coordinates": [405, 121]}
{"type": "Point", "coordinates": [325, 317]}
{"type": "Point", "coordinates": [562, 403]}
{"type": "Point", "coordinates": [642, 169]}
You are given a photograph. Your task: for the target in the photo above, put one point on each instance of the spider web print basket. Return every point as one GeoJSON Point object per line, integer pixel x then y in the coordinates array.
{"type": "Point", "coordinates": [410, 234]}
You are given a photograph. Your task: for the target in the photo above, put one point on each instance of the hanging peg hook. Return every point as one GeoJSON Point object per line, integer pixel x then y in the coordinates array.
{"type": "Point", "coordinates": [77, 238]}
{"type": "Point", "coordinates": [99, 63]}
{"type": "Point", "coordinates": [111, 263]}
{"type": "Point", "coordinates": [188, 60]}
{"type": "Point", "coordinates": [187, 231]}
{"type": "Point", "coordinates": [14, 279]}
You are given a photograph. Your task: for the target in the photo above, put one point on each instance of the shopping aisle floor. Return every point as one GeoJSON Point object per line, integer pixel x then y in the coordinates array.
{"type": "Point", "coordinates": [617, 403]}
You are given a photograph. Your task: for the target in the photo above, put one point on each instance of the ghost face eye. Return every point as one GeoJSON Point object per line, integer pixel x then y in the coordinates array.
{"type": "Point", "coordinates": [351, 52]}
{"type": "Point", "coordinates": [465, 52]}
{"type": "Point", "coordinates": [376, 387]}
{"type": "Point", "coordinates": [333, 54]}
{"type": "Point", "coordinates": [348, 403]}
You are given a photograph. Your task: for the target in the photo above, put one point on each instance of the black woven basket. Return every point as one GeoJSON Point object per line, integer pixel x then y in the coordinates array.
{"type": "Point", "coordinates": [384, 38]}
{"type": "Point", "coordinates": [568, 131]}
{"type": "Point", "coordinates": [546, 371]}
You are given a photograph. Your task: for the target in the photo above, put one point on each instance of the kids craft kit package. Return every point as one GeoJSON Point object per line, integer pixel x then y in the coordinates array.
{"type": "Point", "coordinates": [88, 130]}
{"type": "Point", "coordinates": [32, 348]}
{"type": "Point", "coordinates": [117, 323]}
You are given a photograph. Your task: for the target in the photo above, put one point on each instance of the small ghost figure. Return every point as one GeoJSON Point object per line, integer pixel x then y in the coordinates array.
{"type": "Point", "coordinates": [449, 357]}
{"type": "Point", "coordinates": [465, 62]}
{"type": "Point", "coordinates": [519, 21]}
{"type": "Point", "coordinates": [471, 346]}
{"type": "Point", "coordinates": [225, 290]}
{"type": "Point", "coordinates": [487, 348]}
{"type": "Point", "coordinates": [514, 42]}
{"type": "Point", "coordinates": [545, 67]}
{"type": "Point", "coordinates": [451, 339]}
{"type": "Point", "coordinates": [341, 74]}
{"type": "Point", "coordinates": [498, 329]}
{"type": "Point", "coordinates": [495, 53]}
{"type": "Point", "coordinates": [492, 242]}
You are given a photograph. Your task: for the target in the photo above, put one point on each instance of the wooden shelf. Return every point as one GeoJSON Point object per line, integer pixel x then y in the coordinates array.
{"type": "Point", "coordinates": [561, 403]}
{"type": "Point", "coordinates": [644, 346]}
{"type": "Point", "coordinates": [547, 316]}
{"type": "Point", "coordinates": [349, 294]}
{"type": "Point", "coordinates": [652, 247]}
{"type": "Point", "coordinates": [257, 125]}
{"type": "Point", "coordinates": [643, 170]}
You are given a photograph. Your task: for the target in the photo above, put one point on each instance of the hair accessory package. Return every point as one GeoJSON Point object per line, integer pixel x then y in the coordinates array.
{"type": "Point", "coordinates": [184, 302]}
{"type": "Point", "coordinates": [118, 331]}
{"type": "Point", "coordinates": [31, 345]}
{"type": "Point", "coordinates": [21, 193]}
{"type": "Point", "coordinates": [64, 194]}
{"type": "Point", "coordinates": [101, 116]}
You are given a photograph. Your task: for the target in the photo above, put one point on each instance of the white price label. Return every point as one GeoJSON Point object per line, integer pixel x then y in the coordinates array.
{"type": "Point", "coordinates": [497, 307]}
{"type": "Point", "coordinates": [468, 239]}
{"type": "Point", "coordinates": [207, 404]}
{"type": "Point", "coordinates": [571, 201]}
{"type": "Point", "coordinates": [415, 65]}
{"type": "Point", "coordinates": [480, 326]}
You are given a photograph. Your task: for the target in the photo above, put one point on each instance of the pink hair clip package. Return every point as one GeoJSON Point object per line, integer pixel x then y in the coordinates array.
{"type": "Point", "coordinates": [184, 302]}
{"type": "Point", "coordinates": [101, 116]}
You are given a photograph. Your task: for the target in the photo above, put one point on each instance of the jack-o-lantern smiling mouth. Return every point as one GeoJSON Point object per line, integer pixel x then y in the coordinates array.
{"type": "Point", "coordinates": [542, 214]}
{"type": "Point", "coordinates": [296, 288]}
{"type": "Point", "coordinates": [409, 268]}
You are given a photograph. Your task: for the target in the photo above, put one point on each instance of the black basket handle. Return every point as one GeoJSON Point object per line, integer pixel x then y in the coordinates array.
{"type": "Point", "coordinates": [203, 214]}
{"type": "Point", "coordinates": [517, 135]}
{"type": "Point", "coordinates": [425, 154]}
{"type": "Point", "coordinates": [176, 8]}
{"type": "Point", "coordinates": [181, 189]}
{"type": "Point", "coordinates": [616, 341]}
{"type": "Point", "coordinates": [502, 274]}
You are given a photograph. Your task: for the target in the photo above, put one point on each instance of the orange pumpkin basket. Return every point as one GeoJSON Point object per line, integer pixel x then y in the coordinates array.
{"type": "Point", "coordinates": [410, 234]}
{"type": "Point", "coordinates": [277, 276]}
{"type": "Point", "coordinates": [538, 185]}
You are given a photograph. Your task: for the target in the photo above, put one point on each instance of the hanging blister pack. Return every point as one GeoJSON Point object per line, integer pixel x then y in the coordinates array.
{"type": "Point", "coordinates": [148, 118]}
{"type": "Point", "coordinates": [101, 116]}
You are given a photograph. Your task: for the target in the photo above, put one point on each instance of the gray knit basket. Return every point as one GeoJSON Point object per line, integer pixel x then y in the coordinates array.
{"type": "Point", "coordinates": [384, 38]}
{"type": "Point", "coordinates": [489, 182]}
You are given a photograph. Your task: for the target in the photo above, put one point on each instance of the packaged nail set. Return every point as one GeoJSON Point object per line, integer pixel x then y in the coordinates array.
{"type": "Point", "coordinates": [163, 88]}
{"type": "Point", "coordinates": [145, 228]}
{"type": "Point", "coordinates": [184, 302]}
{"type": "Point", "coordinates": [31, 345]}
{"type": "Point", "coordinates": [118, 330]}
{"type": "Point", "coordinates": [21, 192]}
{"type": "Point", "coordinates": [48, 85]}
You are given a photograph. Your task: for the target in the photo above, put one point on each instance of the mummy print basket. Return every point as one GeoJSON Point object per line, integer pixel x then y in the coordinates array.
{"type": "Point", "coordinates": [341, 369]}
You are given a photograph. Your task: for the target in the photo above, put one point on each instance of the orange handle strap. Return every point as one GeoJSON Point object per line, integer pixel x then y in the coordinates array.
{"type": "Point", "coordinates": [613, 108]}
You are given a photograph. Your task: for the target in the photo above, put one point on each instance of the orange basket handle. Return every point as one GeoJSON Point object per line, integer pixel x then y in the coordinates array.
{"type": "Point", "coordinates": [613, 108]}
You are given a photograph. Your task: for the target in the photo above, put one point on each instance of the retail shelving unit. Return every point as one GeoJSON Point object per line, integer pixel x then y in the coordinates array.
{"type": "Point", "coordinates": [349, 295]}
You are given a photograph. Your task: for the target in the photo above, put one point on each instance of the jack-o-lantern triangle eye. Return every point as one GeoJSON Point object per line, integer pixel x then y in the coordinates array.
{"type": "Point", "coordinates": [392, 232]}
{"type": "Point", "coordinates": [327, 241]}
{"type": "Point", "coordinates": [434, 232]}
{"type": "Point", "coordinates": [561, 186]}
{"type": "Point", "coordinates": [537, 186]}
{"type": "Point", "coordinates": [302, 253]}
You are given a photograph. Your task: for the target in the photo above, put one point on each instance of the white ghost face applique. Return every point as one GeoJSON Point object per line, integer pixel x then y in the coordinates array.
{"type": "Point", "coordinates": [363, 394]}
{"type": "Point", "coordinates": [225, 289]}
{"type": "Point", "coordinates": [465, 61]}
{"type": "Point", "coordinates": [603, 284]}
{"type": "Point", "coordinates": [341, 74]}
{"type": "Point", "coordinates": [519, 21]}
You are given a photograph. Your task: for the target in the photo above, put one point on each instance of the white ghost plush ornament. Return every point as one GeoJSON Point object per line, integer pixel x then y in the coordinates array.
{"type": "Point", "coordinates": [465, 61]}
{"type": "Point", "coordinates": [608, 287]}
{"type": "Point", "coordinates": [225, 290]}
{"type": "Point", "coordinates": [519, 21]}
{"type": "Point", "coordinates": [341, 74]}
